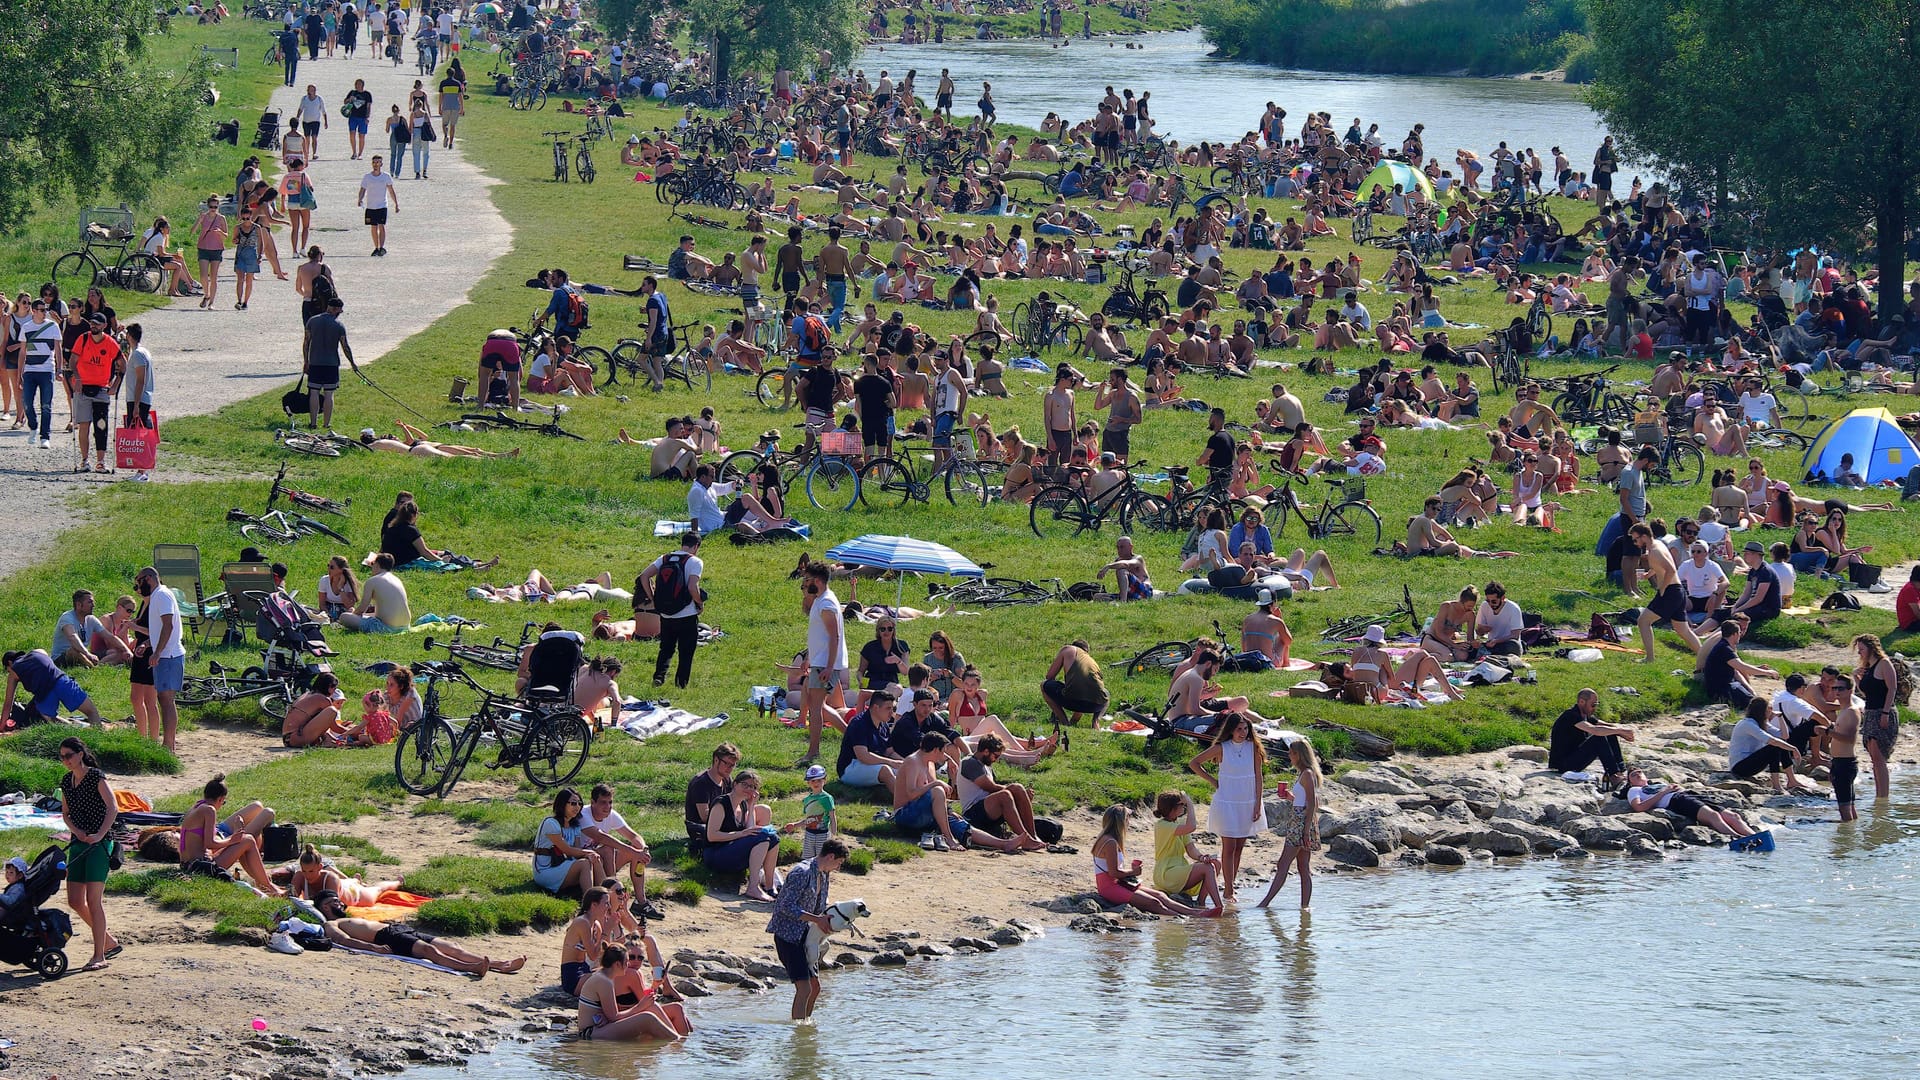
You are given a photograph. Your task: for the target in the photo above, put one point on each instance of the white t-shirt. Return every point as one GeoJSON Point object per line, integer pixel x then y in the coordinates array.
{"type": "Point", "coordinates": [161, 604]}
{"type": "Point", "coordinates": [1785, 574]}
{"type": "Point", "coordinates": [446, 24]}
{"type": "Point", "coordinates": [376, 186]}
{"type": "Point", "coordinates": [611, 826]}
{"type": "Point", "coordinates": [1702, 580]}
{"type": "Point", "coordinates": [313, 109]}
{"type": "Point", "coordinates": [326, 593]}
{"type": "Point", "coordinates": [817, 655]}
{"type": "Point", "coordinates": [1663, 794]}
{"type": "Point", "coordinates": [703, 505]}
{"type": "Point", "coordinates": [1502, 625]}
{"type": "Point", "coordinates": [1759, 408]}
{"type": "Point", "coordinates": [693, 569]}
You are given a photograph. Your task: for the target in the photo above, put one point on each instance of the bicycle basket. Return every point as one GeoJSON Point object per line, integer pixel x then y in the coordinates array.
{"type": "Point", "coordinates": [1353, 488]}
{"type": "Point", "coordinates": [840, 443]}
{"type": "Point", "coordinates": [1648, 433]}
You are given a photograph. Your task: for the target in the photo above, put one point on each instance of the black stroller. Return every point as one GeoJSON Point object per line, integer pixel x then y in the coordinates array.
{"type": "Point", "coordinates": [31, 936]}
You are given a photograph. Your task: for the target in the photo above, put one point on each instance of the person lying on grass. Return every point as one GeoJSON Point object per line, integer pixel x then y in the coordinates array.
{"type": "Point", "coordinates": [412, 440]}
{"type": "Point", "coordinates": [365, 935]}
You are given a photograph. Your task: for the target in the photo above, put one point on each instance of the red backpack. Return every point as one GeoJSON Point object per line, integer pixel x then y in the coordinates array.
{"type": "Point", "coordinates": [814, 335]}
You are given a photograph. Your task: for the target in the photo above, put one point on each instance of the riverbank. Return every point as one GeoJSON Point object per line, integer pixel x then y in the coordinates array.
{"type": "Point", "coordinates": [1111, 19]}
{"type": "Point", "coordinates": [1383, 37]}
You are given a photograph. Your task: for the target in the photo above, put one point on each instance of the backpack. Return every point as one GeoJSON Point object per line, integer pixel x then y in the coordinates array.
{"type": "Point", "coordinates": [577, 309]}
{"type": "Point", "coordinates": [1840, 601]}
{"type": "Point", "coordinates": [322, 290]}
{"type": "Point", "coordinates": [813, 334]}
{"type": "Point", "coordinates": [670, 591]}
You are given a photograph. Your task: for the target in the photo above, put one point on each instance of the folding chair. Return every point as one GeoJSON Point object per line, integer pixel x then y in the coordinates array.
{"type": "Point", "coordinates": [179, 568]}
{"type": "Point", "coordinates": [247, 585]}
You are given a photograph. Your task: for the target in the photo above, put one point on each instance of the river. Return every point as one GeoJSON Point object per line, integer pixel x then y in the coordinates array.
{"type": "Point", "coordinates": [1800, 962]}
{"type": "Point", "coordinates": [1196, 97]}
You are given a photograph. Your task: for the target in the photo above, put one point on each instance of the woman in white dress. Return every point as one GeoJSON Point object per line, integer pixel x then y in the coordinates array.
{"type": "Point", "coordinates": [1240, 774]}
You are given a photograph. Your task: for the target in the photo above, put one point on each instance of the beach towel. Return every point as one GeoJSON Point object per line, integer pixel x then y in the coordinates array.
{"type": "Point", "coordinates": [28, 816]}
{"type": "Point", "coordinates": [645, 719]}
{"type": "Point", "coordinates": [671, 528]}
{"type": "Point", "coordinates": [403, 959]}
{"type": "Point", "coordinates": [130, 802]}
{"type": "Point", "coordinates": [391, 906]}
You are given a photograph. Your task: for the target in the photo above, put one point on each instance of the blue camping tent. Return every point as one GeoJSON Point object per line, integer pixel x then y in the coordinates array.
{"type": "Point", "coordinates": [1881, 451]}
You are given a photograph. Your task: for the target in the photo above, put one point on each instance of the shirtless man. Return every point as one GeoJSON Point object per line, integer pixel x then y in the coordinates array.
{"type": "Point", "coordinates": [920, 800]}
{"type": "Point", "coordinates": [753, 263]}
{"type": "Point", "coordinates": [1265, 631]}
{"type": "Point", "coordinates": [384, 609]}
{"type": "Point", "coordinates": [1105, 343]}
{"type": "Point", "coordinates": [367, 936]}
{"type": "Point", "coordinates": [1193, 703]}
{"type": "Point", "coordinates": [835, 264]}
{"type": "Point", "coordinates": [674, 457]}
{"type": "Point", "coordinates": [1060, 419]}
{"type": "Point", "coordinates": [1285, 411]}
{"type": "Point", "coordinates": [1129, 572]}
{"type": "Point", "coordinates": [1842, 759]}
{"type": "Point", "coordinates": [1669, 597]}
{"type": "Point", "coordinates": [1122, 403]}
{"type": "Point", "coordinates": [1426, 536]}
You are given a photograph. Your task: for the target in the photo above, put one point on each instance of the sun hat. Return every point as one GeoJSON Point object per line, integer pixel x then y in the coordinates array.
{"type": "Point", "coordinates": [18, 863]}
{"type": "Point", "coordinates": [816, 772]}
{"type": "Point", "coordinates": [1376, 634]}
{"type": "Point", "coordinates": [1755, 545]}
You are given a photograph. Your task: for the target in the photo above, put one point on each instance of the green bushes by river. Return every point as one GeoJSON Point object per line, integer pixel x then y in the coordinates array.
{"type": "Point", "coordinates": [1424, 37]}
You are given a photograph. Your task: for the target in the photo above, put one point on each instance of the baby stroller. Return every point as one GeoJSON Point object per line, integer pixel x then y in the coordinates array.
{"type": "Point", "coordinates": [32, 937]}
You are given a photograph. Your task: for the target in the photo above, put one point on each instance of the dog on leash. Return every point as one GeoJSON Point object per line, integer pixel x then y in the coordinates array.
{"type": "Point", "coordinates": [842, 916]}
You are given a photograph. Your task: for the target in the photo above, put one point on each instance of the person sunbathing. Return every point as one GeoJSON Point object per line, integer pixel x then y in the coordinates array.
{"type": "Point", "coordinates": [644, 626]}
{"type": "Point", "coordinates": [201, 835]}
{"type": "Point", "coordinates": [365, 935]}
{"type": "Point", "coordinates": [415, 442]}
{"type": "Point", "coordinates": [314, 877]}
{"type": "Point", "coordinates": [1371, 674]}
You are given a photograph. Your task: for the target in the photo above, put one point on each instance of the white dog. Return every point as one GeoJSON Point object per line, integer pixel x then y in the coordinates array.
{"type": "Point", "coordinates": [842, 915]}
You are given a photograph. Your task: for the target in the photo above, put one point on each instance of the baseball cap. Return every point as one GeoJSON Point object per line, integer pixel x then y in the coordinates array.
{"type": "Point", "coordinates": [18, 863]}
{"type": "Point", "coordinates": [1376, 634]}
{"type": "Point", "coordinates": [1264, 597]}
{"type": "Point", "coordinates": [97, 318]}
{"type": "Point", "coordinates": [816, 772]}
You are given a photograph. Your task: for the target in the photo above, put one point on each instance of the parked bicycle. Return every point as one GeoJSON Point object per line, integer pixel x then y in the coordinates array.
{"type": "Point", "coordinates": [1348, 514]}
{"type": "Point", "coordinates": [560, 163]}
{"type": "Point", "coordinates": [683, 365]}
{"type": "Point", "coordinates": [107, 255]}
{"type": "Point", "coordinates": [274, 683]}
{"type": "Point", "coordinates": [892, 481]}
{"type": "Point", "coordinates": [496, 419]}
{"type": "Point", "coordinates": [1064, 510]}
{"type": "Point", "coordinates": [304, 499]}
{"type": "Point", "coordinates": [548, 740]}
{"type": "Point", "coordinates": [1148, 305]}
{"type": "Point", "coordinates": [1040, 327]}
{"type": "Point", "coordinates": [316, 443]}
{"type": "Point", "coordinates": [499, 655]}
{"type": "Point", "coordinates": [279, 526]}
{"type": "Point", "coordinates": [1352, 626]}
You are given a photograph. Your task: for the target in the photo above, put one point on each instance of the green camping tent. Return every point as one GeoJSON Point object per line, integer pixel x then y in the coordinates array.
{"type": "Point", "coordinates": [1389, 173]}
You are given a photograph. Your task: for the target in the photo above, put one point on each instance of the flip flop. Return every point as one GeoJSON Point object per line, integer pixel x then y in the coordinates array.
{"type": "Point", "coordinates": [113, 952]}
{"type": "Point", "coordinates": [98, 965]}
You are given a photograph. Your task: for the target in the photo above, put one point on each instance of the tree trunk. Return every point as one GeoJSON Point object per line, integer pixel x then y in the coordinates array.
{"type": "Point", "coordinates": [1890, 222]}
{"type": "Point", "coordinates": [722, 62]}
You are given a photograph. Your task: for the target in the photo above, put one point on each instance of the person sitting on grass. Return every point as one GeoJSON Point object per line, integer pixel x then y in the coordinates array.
{"type": "Point", "coordinates": [1643, 797]}
{"type": "Point", "coordinates": [1129, 570]}
{"type": "Point", "coordinates": [1265, 632]}
{"type": "Point", "coordinates": [1179, 867]}
{"type": "Point", "coordinates": [987, 804]}
{"type": "Point", "coordinates": [555, 370]}
{"type": "Point", "coordinates": [920, 802]}
{"type": "Point", "coordinates": [313, 718]}
{"type": "Point", "coordinates": [741, 837]}
{"type": "Point", "coordinates": [225, 843]}
{"type": "Point", "coordinates": [398, 939]}
{"type": "Point", "coordinates": [81, 639]}
{"type": "Point", "coordinates": [1118, 881]}
{"type": "Point", "coordinates": [1371, 673]}
{"type": "Point", "coordinates": [618, 844]}
{"type": "Point", "coordinates": [563, 858]}
{"type": "Point", "coordinates": [866, 758]}
{"type": "Point", "coordinates": [1073, 686]}
{"type": "Point", "coordinates": [1426, 536]}
{"type": "Point", "coordinates": [967, 713]}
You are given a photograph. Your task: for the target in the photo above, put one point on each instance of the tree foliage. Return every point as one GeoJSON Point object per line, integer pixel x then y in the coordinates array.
{"type": "Point", "coordinates": [1814, 126]}
{"type": "Point", "coordinates": [759, 35]}
{"type": "Point", "coordinates": [1479, 37]}
{"type": "Point", "coordinates": [83, 109]}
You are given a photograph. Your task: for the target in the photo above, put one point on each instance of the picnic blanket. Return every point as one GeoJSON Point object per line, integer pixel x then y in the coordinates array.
{"type": "Point", "coordinates": [25, 815]}
{"type": "Point", "coordinates": [403, 959]}
{"type": "Point", "coordinates": [645, 719]}
{"type": "Point", "coordinates": [1295, 663]}
{"type": "Point", "coordinates": [391, 906]}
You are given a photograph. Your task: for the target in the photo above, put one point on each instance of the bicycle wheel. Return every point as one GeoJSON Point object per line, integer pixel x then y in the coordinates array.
{"type": "Point", "coordinates": [968, 484]}
{"type": "Point", "coordinates": [141, 272]}
{"type": "Point", "coordinates": [693, 371]}
{"type": "Point", "coordinates": [1022, 330]}
{"type": "Point", "coordinates": [1059, 512]}
{"type": "Point", "coordinates": [257, 531]}
{"type": "Point", "coordinates": [275, 703]}
{"type": "Point", "coordinates": [583, 166]}
{"type": "Point", "coordinates": [556, 749]}
{"type": "Point", "coordinates": [739, 467]}
{"type": "Point", "coordinates": [833, 485]}
{"type": "Point", "coordinates": [885, 484]}
{"type": "Point", "coordinates": [1779, 439]}
{"type": "Point", "coordinates": [308, 525]}
{"type": "Point", "coordinates": [772, 391]}
{"type": "Point", "coordinates": [307, 444]}
{"type": "Point", "coordinates": [1355, 519]}
{"type": "Point", "coordinates": [195, 690]}
{"type": "Point", "coordinates": [421, 755]}
{"type": "Point", "coordinates": [1684, 465]}
{"type": "Point", "coordinates": [1072, 337]}
{"type": "Point", "coordinates": [1163, 658]}
{"type": "Point", "coordinates": [75, 272]}
{"type": "Point", "coordinates": [593, 356]}
{"type": "Point", "coordinates": [1149, 510]}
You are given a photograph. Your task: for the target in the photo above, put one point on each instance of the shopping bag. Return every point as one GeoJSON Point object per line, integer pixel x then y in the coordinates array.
{"type": "Point", "coordinates": [137, 447]}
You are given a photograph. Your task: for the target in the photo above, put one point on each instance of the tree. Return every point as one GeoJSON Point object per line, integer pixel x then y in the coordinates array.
{"type": "Point", "coordinates": [761, 35]}
{"type": "Point", "coordinates": [1776, 110]}
{"type": "Point", "coordinates": [83, 108]}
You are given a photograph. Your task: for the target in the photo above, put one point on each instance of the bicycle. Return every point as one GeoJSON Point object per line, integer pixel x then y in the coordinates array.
{"type": "Point", "coordinates": [278, 526]}
{"type": "Point", "coordinates": [740, 466]}
{"type": "Point", "coordinates": [498, 655]}
{"type": "Point", "coordinates": [1006, 592]}
{"type": "Point", "coordinates": [1584, 399]}
{"type": "Point", "coordinates": [560, 164]}
{"type": "Point", "coordinates": [892, 481]}
{"type": "Point", "coordinates": [550, 426]}
{"type": "Point", "coordinates": [1167, 655]}
{"type": "Point", "coordinates": [683, 365]}
{"type": "Point", "coordinates": [1147, 305]}
{"type": "Point", "coordinates": [1681, 463]}
{"type": "Point", "coordinates": [275, 682]}
{"type": "Point", "coordinates": [108, 229]}
{"type": "Point", "coordinates": [305, 499]}
{"type": "Point", "coordinates": [1040, 327]}
{"type": "Point", "coordinates": [1066, 511]}
{"type": "Point", "coordinates": [1352, 626]}
{"type": "Point", "coordinates": [316, 443]}
{"type": "Point", "coordinates": [549, 741]}
{"type": "Point", "coordinates": [1352, 515]}
{"type": "Point", "coordinates": [583, 159]}
{"type": "Point", "coordinates": [832, 483]}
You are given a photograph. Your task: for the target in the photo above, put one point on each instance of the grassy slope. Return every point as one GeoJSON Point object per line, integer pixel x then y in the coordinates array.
{"type": "Point", "coordinates": [26, 259]}
{"type": "Point", "coordinates": [574, 509]}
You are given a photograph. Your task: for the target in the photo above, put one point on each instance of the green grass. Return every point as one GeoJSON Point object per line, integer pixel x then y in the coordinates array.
{"type": "Point", "coordinates": [1165, 15]}
{"type": "Point", "coordinates": [574, 509]}
{"type": "Point", "coordinates": [30, 759]}
{"type": "Point", "coordinates": [478, 895]}
{"type": "Point", "coordinates": [358, 848]}
{"type": "Point", "coordinates": [232, 906]}
{"type": "Point", "coordinates": [26, 258]}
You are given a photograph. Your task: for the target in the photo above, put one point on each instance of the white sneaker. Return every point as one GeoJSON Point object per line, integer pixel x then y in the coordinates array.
{"type": "Point", "coordinates": [282, 942]}
{"type": "Point", "coordinates": [1879, 587]}
{"type": "Point", "coordinates": [46, 444]}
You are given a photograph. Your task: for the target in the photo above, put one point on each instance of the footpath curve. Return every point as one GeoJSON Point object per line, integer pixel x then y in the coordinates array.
{"type": "Point", "coordinates": [443, 240]}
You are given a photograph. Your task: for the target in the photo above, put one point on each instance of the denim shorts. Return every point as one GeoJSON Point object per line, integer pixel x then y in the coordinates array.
{"type": "Point", "coordinates": [918, 814]}
{"type": "Point", "coordinates": [169, 673]}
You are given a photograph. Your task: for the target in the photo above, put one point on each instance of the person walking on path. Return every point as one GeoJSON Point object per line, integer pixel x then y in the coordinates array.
{"type": "Point", "coordinates": [210, 243]}
{"type": "Point", "coordinates": [421, 122]}
{"type": "Point", "coordinates": [290, 52]}
{"type": "Point", "coordinates": [313, 117]}
{"type": "Point", "coordinates": [98, 365]}
{"type": "Point", "coordinates": [325, 343]}
{"type": "Point", "coordinates": [88, 806]}
{"type": "Point", "coordinates": [672, 582]}
{"type": "Point", "coordinates": [453, 94]}
{"type": "Point", "coordinates": [359, 115]}
{"type": "Point", "coordinates": [377, 196]}
{"type": "Point", "coordinates": [41, 336]}
{"type": "Point", "coordinates": [313, 280]}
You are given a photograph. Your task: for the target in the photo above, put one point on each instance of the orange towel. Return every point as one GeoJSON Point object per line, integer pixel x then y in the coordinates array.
{"type": "Point", "coordinates": [393, 905]}
{"type": "Point", "coordinates": [130, 802]}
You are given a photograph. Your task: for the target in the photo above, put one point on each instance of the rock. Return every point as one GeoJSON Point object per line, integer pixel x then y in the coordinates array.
{"type": "Point", "coordinates": [1479, 854]}
{"type": "Point", "coordinates": [1444, 855]}
{"type": "Point", "coordinates": [1700, 836]}
{"type": "Point", "coordinates": [1089, 907]}
{"type": "Point", "coordinates": [849, 958]}
{"type": "Point", "coordinates": [1410, 857]}
{"type": "Point", "coordinates": [1380, 827]}
{"type": "Point", "coordinates": [1007, 935]}
{"type": "Point", "coordinates": [890, 958]}
{"type": "Point", "coordinates": [1101, 924]}
{"type": "Point", "coordinates": [1539, 838]}
{"type": "Point", "coordinates": [1527, 753]}
{"type": "Point", "coordinates": [1657, 826]}
{"type": "Point", "coordinates": [726, 975]}
{"type": "Point", "coordinates": [1455, 811]}
{"type": "Point", "coordinates": [1354, 850]}
{"type": "Point", "coordinates": [974, 943]}
{"type": "Point", "coordinates": [1032, 930]}
{"type": "Point", "coordinates": [249, 935]}
{"type": "Point", "coordinates": [1501, 842]}
{"type": "Point", "coordinates": [1573, 851]}
{"type": "Point", "coordinates": [760, 969]}
{"type": "Point", "coordinates": [1643, 847]}
{"type": "Point", "coordinates": [930, 949]}
{"type": "Point", "coordinates": [682, 969]}
{"type": "Point", "coordinates": [1380, 780]}
{"type": "Point", "coordinates": [1600, 834]}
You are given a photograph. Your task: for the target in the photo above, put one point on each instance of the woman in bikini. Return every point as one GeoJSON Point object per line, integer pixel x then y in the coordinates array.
{"type": "Point", "coordinates": [1441, 637]}
{"type": "Point", "coordinates": [314, 877]}
{"type": "Point", "coordinates": [200, 835]}
{"type": "Point", "coordinates": [602, 1015]}
{"type": "Point", "coordinates": [1370, 671]}
{"type": "Point", "coordinates": [967, 708]}
{"type": "Point", "coordinates": [584, 938]}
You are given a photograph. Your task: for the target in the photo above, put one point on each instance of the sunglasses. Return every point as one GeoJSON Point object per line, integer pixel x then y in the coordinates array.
{"type": "Point", "coordinates": [67, 755]}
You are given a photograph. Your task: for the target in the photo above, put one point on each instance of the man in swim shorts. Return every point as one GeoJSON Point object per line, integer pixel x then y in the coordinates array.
{"type": "Point", "coordinates": [365, 935]}
{"type": "Point", "coordinates": [1669, 601]}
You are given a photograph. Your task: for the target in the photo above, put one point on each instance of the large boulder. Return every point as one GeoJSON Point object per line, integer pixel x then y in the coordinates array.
{"type": "Point", "coordinates": [1657, 826]}
{"type": "Point", "coordinates": [1380, 780]}
{"type": "Point", "coordinates": [1501, 842]}
{"type": "Point", "coordinates": [1379, 826]}
{"type": "Point", "coordinates": [1538, 838]}
{"type": "Point", "coordinates": [1444, 855]}
{"type": "Point", "coordinates": [1353, 850]}
{"type": "Point", "coordinates": [1600, 834]}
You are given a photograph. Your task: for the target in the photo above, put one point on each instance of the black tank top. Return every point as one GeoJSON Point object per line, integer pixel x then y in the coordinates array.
{"type": "Point", "coordinates": [1874, 689]}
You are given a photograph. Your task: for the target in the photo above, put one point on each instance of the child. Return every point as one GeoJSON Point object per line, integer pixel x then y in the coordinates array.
{"type": "Point", "coordinates": [817, 806]}
{"type": "Point", "coordinates": [376, 726]}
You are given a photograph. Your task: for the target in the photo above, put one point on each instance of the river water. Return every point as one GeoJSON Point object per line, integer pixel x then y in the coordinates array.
{"type": "Point", "coordinates": [1801, 962]}
{"type": "Point", "coordinates": [1196, 97]}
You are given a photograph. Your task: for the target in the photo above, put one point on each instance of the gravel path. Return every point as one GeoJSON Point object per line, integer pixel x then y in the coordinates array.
{"type": "Point", "coordinates": [444, 237]}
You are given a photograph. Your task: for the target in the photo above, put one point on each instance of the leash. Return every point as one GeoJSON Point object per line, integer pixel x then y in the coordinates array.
{"type": "Point", "coordinates": [376, 388]}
